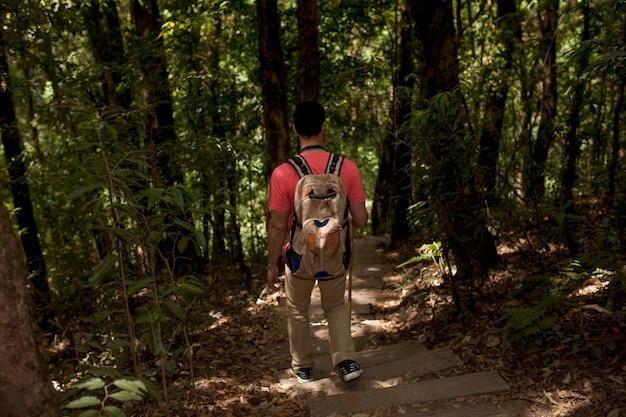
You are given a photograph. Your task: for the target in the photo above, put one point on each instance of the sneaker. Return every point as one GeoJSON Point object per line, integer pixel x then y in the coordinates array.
{"type": "Point", "coordinates": [349, 370]}
{"type": "Point", "coordinates": [303, 374]}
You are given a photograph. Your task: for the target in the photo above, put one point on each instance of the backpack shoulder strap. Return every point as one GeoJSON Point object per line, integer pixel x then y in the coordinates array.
{"type": "Point", "coordinates": [300, 165]}
{"type": "Point", "coordinates": [334, 164]}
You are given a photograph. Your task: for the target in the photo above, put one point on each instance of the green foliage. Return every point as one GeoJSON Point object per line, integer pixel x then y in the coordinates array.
{"type": "Point", "coordinates": [532, 328]}
{"type": "Point", "coordinates": [100, 395]}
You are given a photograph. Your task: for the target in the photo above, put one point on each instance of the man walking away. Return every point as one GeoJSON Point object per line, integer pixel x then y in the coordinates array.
{"type": "Point", "coordinates": [315, 244]}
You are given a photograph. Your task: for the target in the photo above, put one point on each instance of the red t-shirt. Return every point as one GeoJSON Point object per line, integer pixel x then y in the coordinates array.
{"type": "Point", "coordinates": [284, 179]}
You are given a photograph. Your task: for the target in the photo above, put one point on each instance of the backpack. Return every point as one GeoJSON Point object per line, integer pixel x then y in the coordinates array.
{"type": "Point", "coordinates": [319, 241]}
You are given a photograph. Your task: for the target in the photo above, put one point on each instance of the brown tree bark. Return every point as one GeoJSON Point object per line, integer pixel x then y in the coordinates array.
{"type": "Point", "coordinates": [393, 194]}
{"type": "Point", "coordinates": [104, 32]}
{"type": "Point", "coordinates": [534, 182]}
{"type": "Point", "coordinates": [455, 197]}
{"type": "Point", "coordinates": [156, 93]}
{"type": "Point", "coordinates": [308, 66]}
{"type": "Point", "coordinates": [490, 134]}
{"type": "Point", "coordinates": [274, 86]}
{"type": "Point", "coordinates": [20, 191]}
{"type": "Point", "coordinates": [24, 387]}
{"type": "Point", "coordinates": [572, 140]}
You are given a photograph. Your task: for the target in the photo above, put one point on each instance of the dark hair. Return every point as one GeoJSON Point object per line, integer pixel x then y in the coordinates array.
{"type": "Point", "coordinates": [309, 118]}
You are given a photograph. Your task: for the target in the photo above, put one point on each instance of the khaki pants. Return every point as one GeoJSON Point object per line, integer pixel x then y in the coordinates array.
{"type": "Point", "coordinates": [298, 293]}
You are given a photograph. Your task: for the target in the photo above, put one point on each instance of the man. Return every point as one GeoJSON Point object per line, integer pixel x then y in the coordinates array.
{"type": "Point", "coordinates": [309, 124]}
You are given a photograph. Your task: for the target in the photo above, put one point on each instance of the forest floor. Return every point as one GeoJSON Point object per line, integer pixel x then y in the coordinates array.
{"type": "Point", "coordinates": [542, 323]}
{"type": "Point", "coordinates": [565, 357]}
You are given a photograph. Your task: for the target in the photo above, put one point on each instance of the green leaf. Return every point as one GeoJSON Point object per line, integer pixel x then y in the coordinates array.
{"type": "Point", "coordinates": [154, 195]}
{"type": "Point", "coordinates": [191, 288]}
{"type": "Point", "coordinates": [88, 413]}
{"type": "Point", "coordinates": [135, 386]}
{"type": "Point", "coordinates": [84, 190]}
{"type": "Point", "coordinates": [135, 286]}
{"type": "Point", "coordinates": [110, 372]}
{"type": "Point", "coordinates": [177, 197]}
{"type": "Point", "coordinates": [103, 268]}
{"type": "Point", "coordinates": [126, 396]}
{"type": "Point", "coordinates": [182, 244]}
{"type": "Point", "coordinates": [185, 225]}
{"type": "Point", "coordinates": [200, 239]}
{"type": "Point", "coordinates": [175, 309]}
{"type": "Point", "coordinates": [82, 402]}
{"type": "Point", "coordinates": [152, 389]}
{"type": "Point", "coordinates": [113, 411]}
{"type": "Point", "coordinates": [90, 384]}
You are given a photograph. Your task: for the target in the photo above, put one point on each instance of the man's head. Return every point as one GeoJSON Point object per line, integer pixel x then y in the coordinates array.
{"type": "Point", "coordinates": [309, 118]}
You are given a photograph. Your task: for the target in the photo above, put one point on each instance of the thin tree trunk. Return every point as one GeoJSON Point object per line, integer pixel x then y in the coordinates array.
{"type": "Point", "coordinates": [491, 132]}
{"type": "Point", "coordinates": [156, 92]}
{"type": "Point", "coordinates": [572, 141]}
{"type": "Point", "coordinates": [534, 183]}
{"type": "Point", "coordinates": [401, 151]}
{"type": "Point", "coordinates": [104, 31]}
{"type": "Point", "coordinates": [615, 148]}
{"type": "Point", "coordinates": [308, 66]}
{"type": "Point", "coordinates": [393, 191]}
{"type": "Point", "coordinates": [274, 86]}
{"type": "Point", "coordinates": [24, 387]}
{"type": "Point", "coordinates": [25, 215]}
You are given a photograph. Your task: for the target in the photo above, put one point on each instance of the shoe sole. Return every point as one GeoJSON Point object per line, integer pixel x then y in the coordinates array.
{"type": "Point", "coordinates": [352, 375]}
{"type": "Point", "coordinates": [300, 380]}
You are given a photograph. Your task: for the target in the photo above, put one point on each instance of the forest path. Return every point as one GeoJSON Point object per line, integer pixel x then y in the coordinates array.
{"type": "Point", "coordinates": [399, 379]}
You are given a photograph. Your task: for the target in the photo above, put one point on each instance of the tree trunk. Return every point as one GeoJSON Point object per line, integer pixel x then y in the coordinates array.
{"type": "Point", "coordinates": [453, 183]}
{"type": "Point", "coordinates": [274, 86]}
{"type": "Point", "coordinates": [615, 148]}
{"type": "Point", "coordinates": [393, 185]}
{"type": "Point", "coordinates": [25, 216]}
{"type": "Point", "coordinates": [491, 132]}
{"type": "Point", "coordinates": [308, 66]}
{"type": "Point", "coordinates": [156, 92]}
{"type": "Point", "coordinates": [534, 183]}
{"type": "Point", "coordinates": [103, 29]}
{"type": "Point", "coordinates": [24, 387]}
{"type": "Point", "coordinates": [572, 141]}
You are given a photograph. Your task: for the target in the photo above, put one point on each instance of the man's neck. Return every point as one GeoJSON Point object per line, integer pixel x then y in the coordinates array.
{"type": "Point", "coordinates": [311, 144]}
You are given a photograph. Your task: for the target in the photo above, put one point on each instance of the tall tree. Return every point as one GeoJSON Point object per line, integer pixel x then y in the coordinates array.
{"type": "Point", "coordinates": [156, 91]}
{"type": "Point", "coordinates": [572, 137]}
{"type": "Point", "coordinates": [274, 86]}
{"type": "Point", "coordinates": [24, 387]}
{"type": "Point", "coordinates": [617, 113]}
{"type": "Point", "coordinates": [534, 182]}
{"type": "Point", "coordinates": [393, 194]}
{"type": "Point", "coordinates": [308, 66]}
{"type": "Point", "coordinates": [509, 33]}
{"type": "Point", "coordinates": [444, 131]}
{"type": "Point", "coordinates": [104, 32]}
{"type": "Point", "coordinates": [20, 190]}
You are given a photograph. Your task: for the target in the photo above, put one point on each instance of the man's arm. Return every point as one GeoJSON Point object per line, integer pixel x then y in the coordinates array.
{"type": "Point", "coordinates": [277, 232]}
{"type": "Point", "coordinates": [359, 214]}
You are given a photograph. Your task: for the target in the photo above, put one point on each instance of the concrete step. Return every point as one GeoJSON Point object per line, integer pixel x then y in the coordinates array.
{"type": "Point", "coordinates": [424, 391]}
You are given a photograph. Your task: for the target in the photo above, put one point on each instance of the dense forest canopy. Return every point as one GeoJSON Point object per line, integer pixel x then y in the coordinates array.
{"type": "Point", "coordinates": [134, 142]}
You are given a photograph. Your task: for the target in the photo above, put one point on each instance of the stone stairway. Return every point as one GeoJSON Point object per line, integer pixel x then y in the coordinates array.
{"type": "Point", "coordinates": [403, 379]}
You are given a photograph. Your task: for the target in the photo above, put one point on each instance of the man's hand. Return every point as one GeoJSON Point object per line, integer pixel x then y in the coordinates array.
{"type": "Point", "coordinates": [272, 278]}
